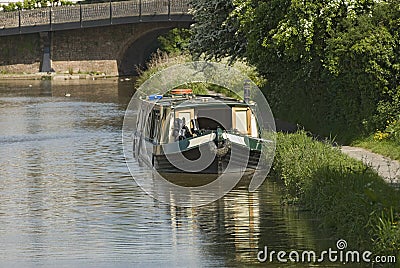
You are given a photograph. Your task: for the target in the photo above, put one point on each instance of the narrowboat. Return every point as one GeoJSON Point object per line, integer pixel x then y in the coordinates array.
{"type": "Point", "coordinates": [175, 130]}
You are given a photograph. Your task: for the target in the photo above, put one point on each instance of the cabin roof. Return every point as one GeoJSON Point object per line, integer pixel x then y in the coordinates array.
{"type": "Point", "coordinates": [198, 100]}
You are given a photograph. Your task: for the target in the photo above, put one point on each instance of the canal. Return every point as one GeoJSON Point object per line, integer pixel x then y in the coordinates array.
{"type": "Point", "coordinates": [67, 197]}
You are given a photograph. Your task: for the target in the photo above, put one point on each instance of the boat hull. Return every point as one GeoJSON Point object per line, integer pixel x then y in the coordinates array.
{"type": "Point", "coordinates": [242, 161]}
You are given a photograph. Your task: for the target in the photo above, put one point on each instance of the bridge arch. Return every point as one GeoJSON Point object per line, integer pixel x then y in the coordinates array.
{"type": "Point", "coordinates": [138, 49]}
{"type": "Point", "coordinates": [109, 38]}
{"type": "Point", "coordinates": [112, 50]}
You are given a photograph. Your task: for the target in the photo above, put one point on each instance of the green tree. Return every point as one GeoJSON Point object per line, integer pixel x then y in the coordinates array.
{"type": "Point", "coordinates": [366, 56]}
{"type": "Point", "coordinates": [331, 65]}
{"type": "Point", "coordinates": [175, 41]}
{"type": "Point", "coordinates": [216, 31]}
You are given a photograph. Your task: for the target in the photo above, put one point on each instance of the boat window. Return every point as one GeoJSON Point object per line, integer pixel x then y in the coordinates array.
{"type": "Point", "coordinates": [213, 117]}
{"type": "Point", "coordinates": [140, 120]}
{"type": "Point", "coordinates": [208, 124]}
{"type": "Point", "coordinates": [254, 127]}
{"type": "Point", "coordinates": [185, 116]}
{"type": "Point", "coordinates": [181, 124]}
{"type": "Point", "coordinates": [240, 120]}
{"type": "Point", "coordinates": [153, 125]}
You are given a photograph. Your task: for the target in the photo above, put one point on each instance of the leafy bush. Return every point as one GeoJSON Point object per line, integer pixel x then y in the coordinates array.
{"type": "Point", "coordinates": [391, 132]}
{"type": "Point", "coordinates": [215, 33]}
{"type": "Point", "coordinates": [331, 66]}
{"type": "Point", "coordinates": [387, 230]}
{"type": "Point", "coordinates": [393, 129]}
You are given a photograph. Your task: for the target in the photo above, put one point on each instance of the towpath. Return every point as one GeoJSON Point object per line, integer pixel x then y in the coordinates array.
{"type": "Point", "coordinates": [386, 168]}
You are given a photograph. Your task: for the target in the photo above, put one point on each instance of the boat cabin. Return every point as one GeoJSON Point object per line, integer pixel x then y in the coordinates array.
{"type": "Point", "coordinates": [170, 119]}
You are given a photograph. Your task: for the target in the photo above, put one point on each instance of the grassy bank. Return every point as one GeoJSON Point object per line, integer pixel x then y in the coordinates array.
{"type": "Point", "coordinates": [387, 148]}
{"type": "Point", "coordinates": [353, 202]}
{"type": "Point", "coordinates": [385, 142]}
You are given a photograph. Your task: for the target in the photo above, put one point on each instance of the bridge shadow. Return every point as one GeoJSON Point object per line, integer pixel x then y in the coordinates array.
{"type": "Point", "coordinates": [139, 52]}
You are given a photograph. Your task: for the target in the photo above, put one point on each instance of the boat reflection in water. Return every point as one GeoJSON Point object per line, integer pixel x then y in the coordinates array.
{"type": "Point", "coordinates": [241, 223]}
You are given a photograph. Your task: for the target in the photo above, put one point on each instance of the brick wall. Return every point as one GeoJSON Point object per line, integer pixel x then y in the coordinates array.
{"type": "Point", "coordinates": [20, 53]}
{"type": "Point", "coordinates": [82, 50]}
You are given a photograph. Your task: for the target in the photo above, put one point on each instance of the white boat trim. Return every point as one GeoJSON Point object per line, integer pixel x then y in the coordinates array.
{"type": "Point", "coordinates": [235, 139]}
{"type": "Point", "coordinates": [201, 140]}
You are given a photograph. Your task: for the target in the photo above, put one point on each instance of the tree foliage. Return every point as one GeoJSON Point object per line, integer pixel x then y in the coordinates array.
{"type": "Point", "coordinates": [331, 65]}
{"type": "Point", "coordinates": [33, 4]}
{"type": "Point", "coordinates": [175, 41]}
{"type": "Point", "coordinates": [367, 54]}
{"type": "Point", "coordinates": [215, 32]}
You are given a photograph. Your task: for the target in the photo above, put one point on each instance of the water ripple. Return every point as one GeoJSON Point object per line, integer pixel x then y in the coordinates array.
{"type": "Point", "coordinates": [67, 198]}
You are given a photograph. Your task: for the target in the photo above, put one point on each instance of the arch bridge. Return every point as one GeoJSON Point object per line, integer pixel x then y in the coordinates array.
{"type": "Point", "coordinates": [109, 37]}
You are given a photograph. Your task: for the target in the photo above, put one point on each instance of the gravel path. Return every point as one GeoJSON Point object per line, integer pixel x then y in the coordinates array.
{"type": "Point", "coordinates": [386, 168]}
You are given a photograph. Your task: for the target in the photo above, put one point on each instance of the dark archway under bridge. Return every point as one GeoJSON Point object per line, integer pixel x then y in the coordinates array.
{"type": "Point", "coordinates": [140, 50]}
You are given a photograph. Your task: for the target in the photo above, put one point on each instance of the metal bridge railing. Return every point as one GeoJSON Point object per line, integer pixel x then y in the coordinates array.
{"type": "Point", "coordinates": [90, 12]}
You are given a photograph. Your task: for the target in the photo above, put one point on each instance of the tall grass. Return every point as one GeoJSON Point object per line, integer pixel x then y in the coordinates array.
{"type": "Point", "coordinates": [161, 60]}
{"type": "Point", "coordinates": [352, 201]}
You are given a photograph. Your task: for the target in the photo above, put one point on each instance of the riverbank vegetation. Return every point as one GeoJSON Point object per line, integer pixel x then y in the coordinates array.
{"type": "Point", "coordinates": [167, 56]}
{"type": "Point", "coordinates": [385, 142]}
{"type": "Point", "coordinates": [351, 200]}
{"type": "Point", "coordinates": [332, 66]}
{"type": "Point", "coordinates": [162, 60]}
